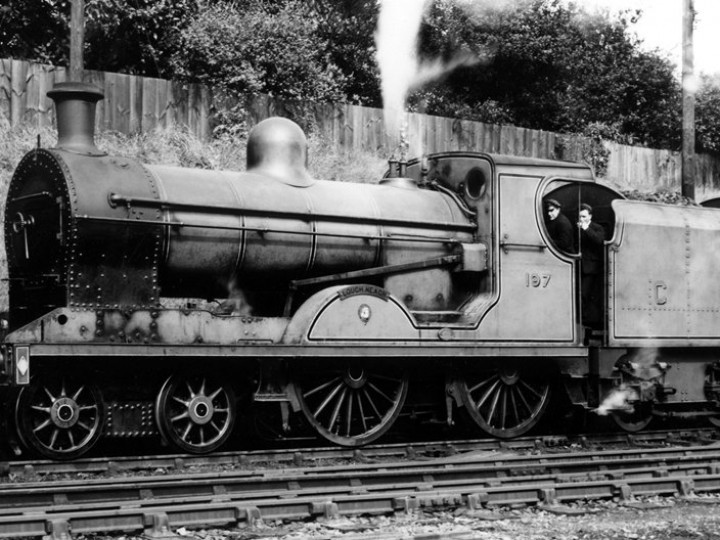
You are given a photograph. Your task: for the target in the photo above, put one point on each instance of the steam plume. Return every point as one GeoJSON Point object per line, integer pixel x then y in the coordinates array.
{"type": "Point", "coordinates": [396, 38]}
{"type": "Point", "coordinates": [400, 68]}
{"type": "Point", "coordinates": [617, 400]}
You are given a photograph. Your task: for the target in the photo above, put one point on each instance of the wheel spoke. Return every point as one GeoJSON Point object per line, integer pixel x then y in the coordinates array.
{"type": "Point", "coordinates": [372, 404]}
{"type": "Point", "coordinates": [524, 401]}
{"type": "Point", "coordinates": [182, 416]}
{"type": "Point", "coordinates": [328, 399]}
{"type": "Point", "coordinates": [362, 411]}
{"type": "Point", "coordinates": [321, 387]}
{"type": "Point", "coordinates": [53, 438]}
{"type": "Point", "coordinates": [483, 383]}
{"type": "Point", "coordinates": [336, 411]}
{"type": "Point", "coordinates": [526, 385]}
{"type": "Point", "coordinates": [71, 438]}
{"type": "Point", "coordinates": [513, 402]}
{"type": "Point", "coordinates": [185, 434]}
{"type": "Point", "coordinates": [348, 417]}
{"type": "Point", "coordinates": [41, 409]}
{"type": "Point", "coordinates": [487, 394]}
{"type": "Point", "coordinates": [42, 426]}
{"type": "Point", "coordinates": [503, 407]}
{"type": "Point", "coordinates": [76, 396]}
{"type": "Point", "coordinates": [383, 394]}
{"type": "Point", "coordinates": [493, 405]}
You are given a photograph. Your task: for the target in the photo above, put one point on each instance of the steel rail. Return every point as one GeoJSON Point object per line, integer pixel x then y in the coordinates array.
{"type": "Point", "coordinates": [309, 455]}
{"type": "Point", "coordinates": [157, 517]}
{"type": "Point", "coordinates": [337, 480]}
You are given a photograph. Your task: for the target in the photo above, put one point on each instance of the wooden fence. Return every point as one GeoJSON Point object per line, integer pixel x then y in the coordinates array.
{"type": "Point", "coordinates": [135, 104]}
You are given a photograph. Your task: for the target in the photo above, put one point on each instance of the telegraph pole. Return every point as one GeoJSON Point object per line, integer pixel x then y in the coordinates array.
{"type": "Point", "coordinates": [688, 101]}
{"type": "Point", "coordinates": [77, 39]}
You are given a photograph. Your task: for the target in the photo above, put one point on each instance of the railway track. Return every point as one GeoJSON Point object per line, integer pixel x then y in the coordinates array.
{"type": "Point", "coordinates": [24, 469]}
{"type": "Point", "coordinates": [157, 504]}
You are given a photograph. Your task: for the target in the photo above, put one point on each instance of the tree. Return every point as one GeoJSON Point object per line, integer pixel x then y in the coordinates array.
{"type": "Point", "coordinates": [35, 30]}
{"type": "Point", "coordinates": [348, 26]}
{"type": "Point", "coordinates": [136, 36]}
{"type": "Point", "coordinates": [707, 111]}
{"type": "Point", "coordinates": [254, 46]}
{"type": "Point", "coordinates": [547, 65]}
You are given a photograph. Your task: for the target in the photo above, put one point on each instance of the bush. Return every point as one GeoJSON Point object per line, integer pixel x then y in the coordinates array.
{"type": "Point", "coordinates": [252, 49]}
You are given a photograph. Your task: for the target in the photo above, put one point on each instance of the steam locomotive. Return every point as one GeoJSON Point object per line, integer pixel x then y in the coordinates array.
{"type": "Point", "coordinates": [155, 301]}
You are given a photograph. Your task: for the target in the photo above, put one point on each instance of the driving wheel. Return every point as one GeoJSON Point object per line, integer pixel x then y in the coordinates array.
{"type": "Point", "coordinates": [351, 403]}
{"type": "Point", "coordinates": [504, 402]}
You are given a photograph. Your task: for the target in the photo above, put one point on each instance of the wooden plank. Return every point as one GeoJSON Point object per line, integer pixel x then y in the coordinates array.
{"type": "Point", "coordinates": [180, 102]}
{"type": "Point", "coordinates": [149, 102]}
{"type": "Point", "coordinates": [97, 78]}
{"type": "Point", "coordinates": [161, 105]}
{"type": "Point", "coordinates": [119, 100]}
{"type": "Point", "coordinates": [18, 89]}
{"type": "Point", "coordinates": [357, 124]}
{"type": "Point", "coordinates": [135, 105]}
{"type": "Point", "coordinates": [37, 87]}
{"type": "Point", "coordinates": [5, 87]}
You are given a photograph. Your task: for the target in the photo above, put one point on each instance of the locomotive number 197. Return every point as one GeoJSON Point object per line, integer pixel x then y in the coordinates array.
{"type": "Point", "coordinates": [537, 280]}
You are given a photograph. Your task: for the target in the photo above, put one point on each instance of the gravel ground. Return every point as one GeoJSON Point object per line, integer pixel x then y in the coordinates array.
{"type": "Point", "coordinates": [656, 519]}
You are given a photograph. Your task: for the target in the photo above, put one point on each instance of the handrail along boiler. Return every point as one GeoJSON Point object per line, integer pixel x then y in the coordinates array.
{"type": "Point", "coordinates": [157, 301]}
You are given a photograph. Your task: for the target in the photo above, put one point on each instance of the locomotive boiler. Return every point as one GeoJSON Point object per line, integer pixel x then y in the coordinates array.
{"type": "Point", "coordinates": [156, 301]}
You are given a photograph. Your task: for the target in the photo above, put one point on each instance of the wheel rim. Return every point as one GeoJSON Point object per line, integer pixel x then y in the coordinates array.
{"type": "Point", "coordinates": [351, 404]}
{"type": "Point", "coordinates": [504, 403]}
{"type": "Point", "coordinates": [58, 419]}
{"type": "Point", "coordinates": [195, 414]}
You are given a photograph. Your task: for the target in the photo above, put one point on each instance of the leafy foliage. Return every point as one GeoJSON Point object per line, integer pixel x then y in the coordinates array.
{"type": "Point", "coordinates": [35, 30]}
{"type": "Point", "coordinates": [258, 47]}
{"type": "Point", "coordinates": [137, 36]}
{"type": "Point", "coordinates": [348, 26]}
{"type": "Point", "coordinates": [542, 64]}
{"type": "Point", "coordinates": [549, 66]}
{"type": "Point", "coordinates": [707, 111]}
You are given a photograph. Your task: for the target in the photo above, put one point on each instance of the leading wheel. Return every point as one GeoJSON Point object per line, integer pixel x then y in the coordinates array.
{"type": "Point", "coordinates": [504, 402]}
{"type": "Point", "coordinates": [351, 403]}
{"type": "Point", "coordinates": [59, 419]}
{"type": "Point", "coordinates": [195, 414]}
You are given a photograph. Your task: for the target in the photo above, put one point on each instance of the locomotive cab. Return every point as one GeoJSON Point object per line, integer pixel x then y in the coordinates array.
{"type": "Point", "coordinates": [572, 196]}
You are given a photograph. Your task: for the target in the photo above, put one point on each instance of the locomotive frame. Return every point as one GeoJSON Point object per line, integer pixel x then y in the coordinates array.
{"type": "Point", "coordinates": [439, 289]}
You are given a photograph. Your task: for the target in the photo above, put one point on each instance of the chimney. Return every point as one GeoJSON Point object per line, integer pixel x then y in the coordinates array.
{"type": "Point", "coordinates": [75, 104]}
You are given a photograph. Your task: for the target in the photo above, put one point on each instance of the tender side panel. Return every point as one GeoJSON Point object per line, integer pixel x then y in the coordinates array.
{"type": "Point", "coordinates": [662, 264]}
